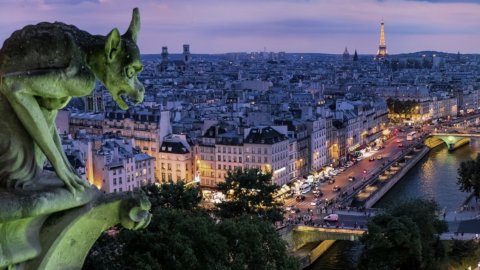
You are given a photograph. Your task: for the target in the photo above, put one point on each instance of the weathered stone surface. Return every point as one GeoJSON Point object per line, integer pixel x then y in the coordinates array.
{"type": "Point", "coordinates": [41, 68]}
{"type": "Point", "coordinates": [51, 220]}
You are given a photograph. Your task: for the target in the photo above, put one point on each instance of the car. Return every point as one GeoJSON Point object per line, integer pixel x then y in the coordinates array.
{"type": "Point", "coordinates": [400, 145]}
{"type": "Point", "coordinates": [331, 181]}
{"type": "Point", "coordinates": [372, 158]}
{"type": "Point", "coordinates": [359, 158]}
{"type": "Point", "coordinates": [318, 195]}
{"type": "Point", "coordinates": [399, 140]}
{"type": "Point", "coordinates": [336, 188]}
{"type": "Point", "coordinates": [379, 157]}
{"type": "Point", "coordinates": [295, 210]}
{"type": "Point", "coordinates": [300, 198]}
{"type": "Point", "coordinates": [314, 202]}
{"type": "Point", "coordinates": [331, 217]}
{"type": "Point", "coordinates": [289, 208]}
{"type": "Point", "coordinates": [351, 178]}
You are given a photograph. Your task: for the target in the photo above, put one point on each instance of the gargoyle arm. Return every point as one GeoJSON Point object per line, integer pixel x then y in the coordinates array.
{"type": "Point", "coordinates": [30, 114]}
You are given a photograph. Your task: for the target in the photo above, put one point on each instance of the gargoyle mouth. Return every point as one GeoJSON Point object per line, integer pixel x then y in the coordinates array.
{"type": "Point", "coordinates": [122, 99]}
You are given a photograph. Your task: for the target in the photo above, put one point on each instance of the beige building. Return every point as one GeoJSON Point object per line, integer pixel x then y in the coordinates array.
{"type": "Point", "coordinates": [221, 150]}
{"type": "Point", "coordinates": [175, 161]}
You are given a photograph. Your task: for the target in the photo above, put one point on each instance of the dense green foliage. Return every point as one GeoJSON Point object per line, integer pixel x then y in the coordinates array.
{"type": "Point", "coordinates": [184, 236]}
{"type": "Point", "coordinates": [406, 236]}
{"type": "Point", "coordinates": [469, 176]}
{"type": "Point", "coordinates": [462, 254]}
{"type": "Point", "coordinates": [173, 195]}
{"type": "Point", "coordinates": [461, 249]}
{"type": "Point", "coordinates": [249, 192]}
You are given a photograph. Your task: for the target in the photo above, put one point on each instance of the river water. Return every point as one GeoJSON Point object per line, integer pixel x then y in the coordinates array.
{"type": "Point", "coordinates": [434, 177]}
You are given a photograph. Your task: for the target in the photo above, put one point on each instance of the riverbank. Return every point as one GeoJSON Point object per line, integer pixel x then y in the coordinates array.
{"type": "Point", "coordinates": [434, 177]}
{"type": "Point", "coordinates": [399, 173]}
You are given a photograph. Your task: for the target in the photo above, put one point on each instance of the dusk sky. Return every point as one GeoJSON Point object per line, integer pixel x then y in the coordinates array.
{"type": "Point", "coordinates": [218, 26]}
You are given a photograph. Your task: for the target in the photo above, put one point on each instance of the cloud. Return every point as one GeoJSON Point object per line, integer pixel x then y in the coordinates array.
{"type": "Point", "coordinates": [68, 2]}
{"type": "Point", "coordinates": [245, 25]}
{"type": "Point", "coordinates": [448, 1]}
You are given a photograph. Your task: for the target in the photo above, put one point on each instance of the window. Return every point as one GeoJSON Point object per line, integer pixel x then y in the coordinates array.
{"type": "Point", "coordinates": [114, 181]}
{"type": "Point", "coordinates": [169, 166]}
{"type": "Point", "coordinates": [121, 190]}
{"type": "Point", "coordinates": [120, 181]}
{"type": "Point", "coordinates": [240, 159]}
{"type": "Point", "coordinates": [219, 166]}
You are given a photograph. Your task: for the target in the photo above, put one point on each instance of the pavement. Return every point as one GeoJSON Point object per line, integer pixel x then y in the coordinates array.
{"type": "Point", "coordinates": [363, 169]}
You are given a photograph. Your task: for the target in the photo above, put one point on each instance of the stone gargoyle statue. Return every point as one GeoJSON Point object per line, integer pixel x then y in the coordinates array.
{"type": "Point", "coordinates": [41, 68]}
{"type": "Point", "coordinates": [42, 226]}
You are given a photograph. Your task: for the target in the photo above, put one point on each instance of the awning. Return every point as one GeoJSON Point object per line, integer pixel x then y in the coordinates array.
{"type": "Point", "coordinates": [284, 189]}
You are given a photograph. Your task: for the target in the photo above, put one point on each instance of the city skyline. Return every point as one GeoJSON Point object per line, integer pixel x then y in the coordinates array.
{"type": "Point", "coordinates": [306, 26]}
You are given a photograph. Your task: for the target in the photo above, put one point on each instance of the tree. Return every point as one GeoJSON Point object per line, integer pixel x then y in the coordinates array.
{"type": "Point", "coordinates": [461, 249]}
{"type": "Point", "coordinates": [469, 176]}
{"type": "Point", "coordinates": [184, 236]}
{"type": "Point", "coordinates": [249, 192]}
{"type": "Point", "coordinates": [406, 236]}
{"type": "Point", "coordinates": [173, 195]}
{"type": "Point", "coordinates": [182, 239]}
{"type": "Point", "coordinates": [391, 243]}
{"type": "Point", "coordinates": [254, 244]}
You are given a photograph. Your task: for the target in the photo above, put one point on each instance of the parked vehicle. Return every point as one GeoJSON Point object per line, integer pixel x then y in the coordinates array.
{"type": "Point", "coordinates": [372, 158]}
{"type": "Point", "coordinates": [331, 181]}
{"type": "Point", "coordinates": [351, 178]}
{"type": "Point", "coordinates": [336, 188]}
{"type": "Point", "coordinates": [379, 157]}
{"type": "Point", "coordinates": [305, 188]}
{"type": "Point", "coordinates": [331, 217]}
{"type": "Point", "coordinates": [300, 198]}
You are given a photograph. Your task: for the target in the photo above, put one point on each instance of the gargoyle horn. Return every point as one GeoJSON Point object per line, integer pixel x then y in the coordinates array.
{"type": "Point", "coordinates": [134, 28]}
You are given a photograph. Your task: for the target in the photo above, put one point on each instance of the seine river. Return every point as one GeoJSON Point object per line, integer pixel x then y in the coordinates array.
{"type": "Point", "coordinates": [433, 177]}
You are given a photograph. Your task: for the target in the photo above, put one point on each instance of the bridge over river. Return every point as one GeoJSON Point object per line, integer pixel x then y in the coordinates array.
{"type": "Point", "coordinates": [310, 241]}
{"type": "Point", "coordinates": [452, 140]}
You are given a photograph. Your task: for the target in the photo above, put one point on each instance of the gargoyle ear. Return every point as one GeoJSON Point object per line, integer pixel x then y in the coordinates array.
{"type": "Point", "coordinates": [134, 28]}
{"type": "Point", "coordinates": [112, 47]}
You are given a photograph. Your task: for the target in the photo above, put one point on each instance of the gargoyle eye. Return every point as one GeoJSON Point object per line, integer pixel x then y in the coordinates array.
{"type": "Point", "coordinates": [130, 72]}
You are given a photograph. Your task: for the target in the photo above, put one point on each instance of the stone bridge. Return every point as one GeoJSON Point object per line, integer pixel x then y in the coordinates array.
{"type": "Point", "coordinates": [300, 236]}
{"type": "Point", "coordinates": [452, 140]}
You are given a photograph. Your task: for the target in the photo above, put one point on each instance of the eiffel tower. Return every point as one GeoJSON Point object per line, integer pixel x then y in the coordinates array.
{"type": "Point", "coordinates": [382, 48]}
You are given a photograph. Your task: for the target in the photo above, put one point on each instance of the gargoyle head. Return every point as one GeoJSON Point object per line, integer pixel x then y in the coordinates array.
{"type": "Point", "coordinates": [123, 64]}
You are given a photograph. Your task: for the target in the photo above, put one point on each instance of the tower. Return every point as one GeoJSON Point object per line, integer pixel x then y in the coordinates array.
{"type": "Point", "coordinates": [164, 54]}
{"type": "Point", "coordinates": [186, 54]}
{"type": "Point", "coordinates": [355, 56]}
{"type": "Point", "coordinates": [346, 55]}
{"type": "Point", "coordinates": [382, 48]}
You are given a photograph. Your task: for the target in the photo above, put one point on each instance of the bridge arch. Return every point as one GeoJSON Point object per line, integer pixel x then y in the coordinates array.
{"type": "Point", "coordinates": [452, 141]}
